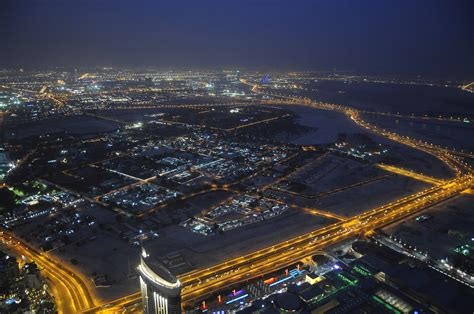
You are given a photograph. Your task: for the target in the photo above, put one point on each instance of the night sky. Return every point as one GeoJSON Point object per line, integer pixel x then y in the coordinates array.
{"type": "Point", "coordinates": [409, 37]}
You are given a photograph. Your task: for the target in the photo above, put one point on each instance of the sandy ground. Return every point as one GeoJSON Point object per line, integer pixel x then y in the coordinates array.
{"type": "Point", "coordinates": [433, 235]}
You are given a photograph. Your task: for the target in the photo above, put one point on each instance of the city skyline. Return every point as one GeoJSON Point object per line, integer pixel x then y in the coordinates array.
{"type": "Point", "coordinates": [399, 38]}
{"type": "Point", "coordinates": [236, 157]}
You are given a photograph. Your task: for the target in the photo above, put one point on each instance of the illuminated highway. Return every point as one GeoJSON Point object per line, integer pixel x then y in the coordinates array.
{"type": "Point", "coordinates": [410, 174]}
{"type": "Point", "coordinates": [71, 290]}
{"type": "Point", "coordinates": [243, 268]}
{"type": "Point", "coordinates": [201, 283]}
{"type": "Point", "coordinates": [449, 157]}
{"type": "Point", "coordinates": [73, 293]}
{"type": "Point", "coordinates": [414, 117]}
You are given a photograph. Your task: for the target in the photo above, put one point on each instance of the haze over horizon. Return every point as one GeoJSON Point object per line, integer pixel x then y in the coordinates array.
{"type": "Point", "coordinates": [389, 37]}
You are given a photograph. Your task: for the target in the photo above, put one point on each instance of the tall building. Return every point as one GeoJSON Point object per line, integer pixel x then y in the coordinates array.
{"type": "Point", "coordinates": [160, 289]}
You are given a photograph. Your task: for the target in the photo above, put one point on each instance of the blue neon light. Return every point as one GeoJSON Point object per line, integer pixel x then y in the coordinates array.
{"type": "Point", "coordinates": [293, 274]}
{"type": "Point", "coordinates": [236, 293]}
{"type": "Point", "coordinates": [280, 281]}
{"type": "Point", "coordinates": [237, 299]}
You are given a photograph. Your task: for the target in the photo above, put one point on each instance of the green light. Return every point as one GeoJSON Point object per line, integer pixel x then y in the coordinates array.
{"type": "Point", "coordinates": [361, 270]}
{"type": "Point", "coordinates": [17, 192]}
{"type": "Point", "coordinates": [388, 306]}
{"type": "Point", "coordinates": [346, 280]}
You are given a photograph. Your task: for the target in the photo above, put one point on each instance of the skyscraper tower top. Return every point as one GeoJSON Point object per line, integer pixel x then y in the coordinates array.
{"type": "Point", "coordinates": [160, 289]}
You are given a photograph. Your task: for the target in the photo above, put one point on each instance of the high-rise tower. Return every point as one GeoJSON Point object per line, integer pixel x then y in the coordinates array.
{"type": "Point", "coordinates": [160, 289]}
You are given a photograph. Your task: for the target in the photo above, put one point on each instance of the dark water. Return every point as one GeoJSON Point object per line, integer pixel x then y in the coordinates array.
{"type": "Point", "coordinates": [406, 99]}
{"type": "Point", "coordinates": [454, 135]}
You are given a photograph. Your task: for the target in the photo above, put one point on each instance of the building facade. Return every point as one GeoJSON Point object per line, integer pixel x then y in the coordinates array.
{"type": "Point", "coordinates": [160, 289]}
